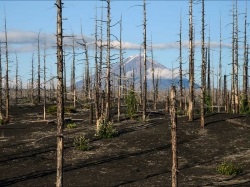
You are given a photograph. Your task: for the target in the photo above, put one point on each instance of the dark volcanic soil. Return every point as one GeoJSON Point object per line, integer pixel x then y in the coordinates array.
{"type": "Point", "coordinates": [139, 156]}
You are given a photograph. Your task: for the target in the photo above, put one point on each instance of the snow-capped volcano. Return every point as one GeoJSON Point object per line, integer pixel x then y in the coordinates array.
{"type": "Point", "coordinates": [166, 76]}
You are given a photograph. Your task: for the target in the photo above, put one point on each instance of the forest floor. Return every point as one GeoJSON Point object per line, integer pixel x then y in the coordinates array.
{"type": "Point", "coordinates": [139, 156]}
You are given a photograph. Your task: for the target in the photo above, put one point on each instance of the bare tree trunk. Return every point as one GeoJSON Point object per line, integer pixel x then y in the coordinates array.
{"type": "Point", "coordinates": [38, 70]}
{"type": "Point", "coordinates": [245, 64]}
{"type": "Point", "coordinates": [1, 84]}
{"type": "Point", "coordinates": [236, 62]}
{"type": "Point", "coordinates": [97, 90]}
{"type": "Point", "coordinates": [108, 64]}
{"type": "Point", "coordinates": [120, 75]}
{"type": "Point", "coordinates": [233, 67]}
{"type": "Point", "coordinates": [153, 75]}
{"type": "Point", "coordinates": [220, 73]}
{"type": "Point", "coordinates": [73, 75]}
{"type": "Point", "coordinates": [225, 94]}
{"type": "Point", "coordinates": [44, 82]}
{"type": "Point", "coordinates": [145, 62]}
{"type": "Point", "coordinates": [17, 82]}
{"type": "Point", "coordinates": [174, 138]}
{"type": "Point", "coordinates": [32, 79]}
{"type": "Point", "coordinates": [203, 67]}
{"type": "Point", "coordinates": [180, 70]}
{"type": "Point", "coordinates": [191, 64]}
{"type": "Point", "coordinates": [60, 98]}
{"type": "Point", "coordinates": [7, 94]}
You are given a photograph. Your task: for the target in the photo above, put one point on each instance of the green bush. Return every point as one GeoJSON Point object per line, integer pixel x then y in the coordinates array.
{"type": "Point", "coordinates": [71, 126]}
{"type": "Point", "coordinates": [52, 109]}
{"type": "Point", "coordinates": [1, 121]}
{"type": "Point", "coordinates": [106, 129]}
{"type": "Point", "coordinates": [229, 168]}
{"type": "Point", "coordinates": [208, 103]}
{"type": "Point", "coordinates": [81, 143]}
{"type": "Point", "coordinates": [131, 103]}
{"type": "Point", "coordinates": [244, 106]}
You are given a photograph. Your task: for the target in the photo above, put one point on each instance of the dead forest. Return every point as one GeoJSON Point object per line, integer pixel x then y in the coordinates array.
{"type": "Point", "coordinates": [108, 97]}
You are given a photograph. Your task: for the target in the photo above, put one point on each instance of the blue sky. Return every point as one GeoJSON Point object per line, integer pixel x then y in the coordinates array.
{"type": "Point", "coordinates": [26, 18]}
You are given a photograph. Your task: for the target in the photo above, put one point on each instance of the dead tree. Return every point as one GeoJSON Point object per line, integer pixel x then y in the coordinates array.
{"type": "Point", "coordinates": [108, 84]}
{"type": "Point", "coordinates": [236, 63]}
{"type": "Point", "coordinates": [1, 84]}
{"type": "Point", "coordinates": [174, 138]}
{"type": "Point", "coordinates": [180, 66]}
{"type": "Point", "coordinates": [245, 64]}
{"type": "Point", "coordinates": [153, 74]}
{"type": "Point", "coordinates": [44, 82]}
{"type": "Point", "coordinates": [97, 90]}
{"type": "Point", "coordinates": [225, 94]}
{"type": "Point", "coordinates": [32, 79]}
{"type": "Point", "coordinates": [203, 68]}
{"type": "Point", "coordinates": [233, 66]}
{"type": "Point", "coordinates": [220, 74]}
{"type": "Point", "coordinates": [17, 82]}
{"type": "Point", "coordinates": [7, 94]}
{"type": "Point", "coordinates": [38, 70]}
{"type": "Point", "coordinates": [60, 98]}
{"type": "Point", "coordinates": [145, 62]}
{"type": "Point", "coordinates": [120, 75]}
{"type": "Point", "coordinates": [191, 64]}
{"type": "Point", "coordinates": [73, 75]}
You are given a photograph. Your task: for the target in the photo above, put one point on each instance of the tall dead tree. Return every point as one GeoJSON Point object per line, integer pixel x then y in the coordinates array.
{"type": "Point", "coordinates": [1, 84]}
{"type": "Point", "coordinates": [73, 75]}
{"type": "Point", "coordinates": [7, 90]}
{"type": "Point", "coordinates": [108, 84]}
{"type": "Point", "coordinates": [120, 75]}
{"type": "Point", "coordinates": [153, 74]}
{"type": "Point", "coordinates": [44, 82]}
{"type": "Point", "coordinates": [38, 69]}
{"type": "Point", "coordinates": [191, 64]}
{"type": "Point", "coordinates": [145, 62]}
{"type": "Point", "coordinates": [245, 64]}
{"type": "Point", "coordinates": [17, 82]}
{"type": "Point", "coordinates": [60, 98]}
{"type": "Point", "coordinates": [203, 67]}
{"type": "Point", "coordinates": [220, 74]}
{"type": "Point", "coordinates": [180, 66]}
{"type": "Point", "coordinates": [32, 79]}
{"type": "Point", "coordinates": [233, 64]}
{"type": "Point", "coordinates": [97, 88]}
{"type": "Point", "coordinates": [236, 63]}
{"type": "Point", "coordinates": [208, 68]}
{"type": "Point", "coordinates": [174, 138]}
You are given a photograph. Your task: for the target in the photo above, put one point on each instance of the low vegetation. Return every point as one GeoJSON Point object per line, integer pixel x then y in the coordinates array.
{"type": "Point", "coordinates": [229, 168]}
{"type": "Point", "coordinates": [81, 143]}
{"type": "Point", "coordinates": [106, 129]}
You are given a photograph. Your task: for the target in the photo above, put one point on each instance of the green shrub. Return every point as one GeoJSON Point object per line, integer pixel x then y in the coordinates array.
{"type": "Point", "coordinates": [52, 109]}
{"type": "Point", "coordinates": [208, 103]}
{"type": "Point", "coordinates": [244, 106]}
{"type": "Point", "coordinates": [1, 121]}
{"type": "Point", "coordinates": [106, 129]}
{"type": "Point", "coordinates": [229, 168]}
{"type": "Point", "coordinates": [81, 143]}
{"type": "Point", "coordinates": [71, 126]}
{"type": "Point", "coordinates": [131, 103]}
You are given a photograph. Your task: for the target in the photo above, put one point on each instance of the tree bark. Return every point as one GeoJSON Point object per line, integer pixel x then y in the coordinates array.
{"type": "Point", "coordinates": [60, 98]}
{"type": "Point", "coordinates": [191, 64]}
{"type": "Point", "coordinates": [174, 138]}
{"type": "Point", "coordinates": [145, 63]}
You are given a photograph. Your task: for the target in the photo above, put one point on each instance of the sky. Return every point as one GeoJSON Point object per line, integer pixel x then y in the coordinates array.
{"type": "Point", "coordinates": [25, 19]}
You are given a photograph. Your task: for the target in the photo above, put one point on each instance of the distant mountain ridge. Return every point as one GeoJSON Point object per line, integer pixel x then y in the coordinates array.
{"type": "Point", "coordinates": [167, 77]}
